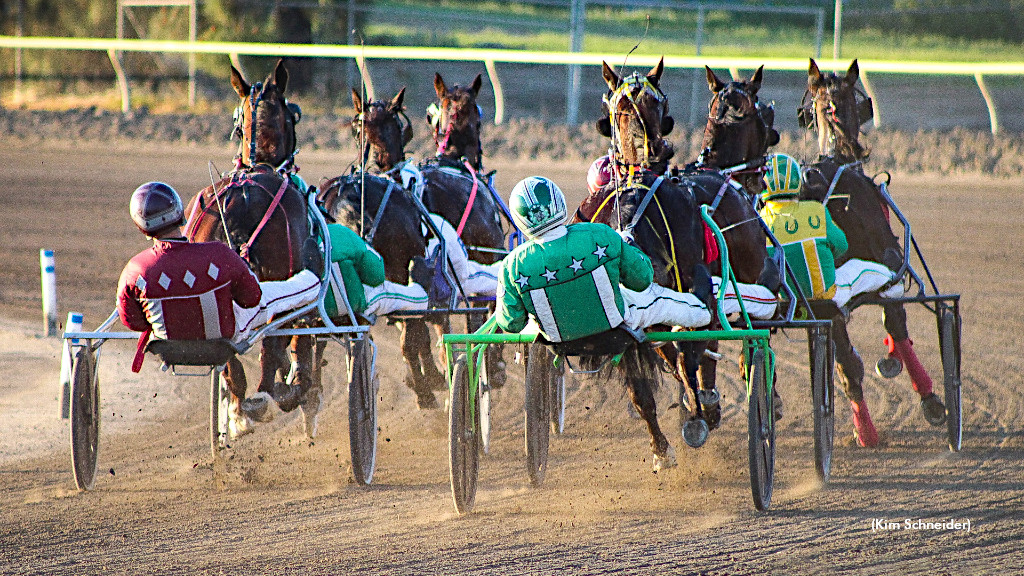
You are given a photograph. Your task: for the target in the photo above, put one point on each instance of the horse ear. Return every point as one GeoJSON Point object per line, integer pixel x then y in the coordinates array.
{"type": "Point", "coordinates": [814, 79]}
{"type": "Point", "coordinates": [477, 83]}
{"type": "Point", "coordinates": [239, 84]}
{"type": "Point", "coordinates": [667, 124]}
{"type": "Point", "coordinates": [604, 127]}
{"type": "Point", "coordinates": [281, 76]}
{"type": "Point", "coordinates": [714, 83]}
{"type": "Point", "coordinates": [655, 74]}
{"type": "Point", "coordinates": [439, 86]}
{"type": "Point", "coordinates": [755, 81]}
{"type": "Point", "coordinates": [396, 102]}
{"type": "Point", "coordinates": [357, 102]}
{"type": "Point", "coordinates": [610, 77]}
{"type": "Point", "coordinates": [853, 73]}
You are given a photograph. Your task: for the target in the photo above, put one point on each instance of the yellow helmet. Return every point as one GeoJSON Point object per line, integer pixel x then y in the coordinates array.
{"type": "Point", "coordinates": [782, 178]}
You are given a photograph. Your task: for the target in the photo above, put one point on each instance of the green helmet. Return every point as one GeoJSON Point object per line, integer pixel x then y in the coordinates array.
{"type": "Point", "coordinates": [782, 178]}
{"type": "Point", "coordinates": [537, 205]}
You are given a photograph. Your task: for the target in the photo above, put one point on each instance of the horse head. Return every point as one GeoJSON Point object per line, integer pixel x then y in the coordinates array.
{"type": "Point", "coordinates": [739, 128]}
{"type": "Point", "coordinates": [636, 117]}
{"type": "Point", "coordinates": [265, 120]}
{"type": "Point", "coordinates": [455, 120]}
{"type": "Point", "coordinates": [379, 129]}
{"type": "Point", "coordinates": [837, 114]}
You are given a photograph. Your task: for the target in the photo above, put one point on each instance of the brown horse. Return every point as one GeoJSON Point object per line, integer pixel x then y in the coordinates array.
{"type": "Point", "coordinates": [455, 187]}
{"type": "Point", "coordinates": [836, 109]}
{"type": "Point", "coordinates": [669, 231]}
{"type": "Point", "coordinates": [259, 212]}
{"type": "Point", "coordinates": [355, 200]}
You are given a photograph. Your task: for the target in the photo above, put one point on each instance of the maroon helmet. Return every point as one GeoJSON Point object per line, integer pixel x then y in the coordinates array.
{"type": "Point", "coordinates": [155, 207]}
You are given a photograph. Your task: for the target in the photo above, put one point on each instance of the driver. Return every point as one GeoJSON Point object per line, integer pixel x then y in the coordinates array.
{"type": "Point", "coordinates": [812, 243]}
{"type": "Point", "coordinates": [179, 290]}
{"type": "Point", "coordinates": [582, 279]}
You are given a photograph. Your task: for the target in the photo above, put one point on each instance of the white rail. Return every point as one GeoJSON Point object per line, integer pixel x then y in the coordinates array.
{"type": "Point", "coordinates": [977, 70]}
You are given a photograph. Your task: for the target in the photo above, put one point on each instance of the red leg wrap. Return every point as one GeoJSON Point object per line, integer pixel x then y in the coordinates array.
{"type": "Point", "coordinates": [919, 378]}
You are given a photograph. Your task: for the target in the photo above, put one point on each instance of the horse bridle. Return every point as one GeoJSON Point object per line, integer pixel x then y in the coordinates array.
{"type": "Point", "coordinates": [404, 128]}
{"type": "Point", "coordinates": [732, 88]}
{"type": "Point", "coordinates": [238, 130]}
{"type": "Point", "coordinates": [635, 82]}
{"type": "Point", "coordinates": [435, 116]}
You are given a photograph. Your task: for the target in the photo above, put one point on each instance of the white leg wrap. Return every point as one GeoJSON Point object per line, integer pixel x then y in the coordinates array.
{"type": "Point", "coordinates": [660, 305]}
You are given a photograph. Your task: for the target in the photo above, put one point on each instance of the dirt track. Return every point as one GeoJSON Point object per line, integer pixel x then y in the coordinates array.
{"type": "Point", "coordinates": [281, 504]}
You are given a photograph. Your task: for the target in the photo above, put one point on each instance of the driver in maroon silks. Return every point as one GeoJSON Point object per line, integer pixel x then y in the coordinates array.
{"type": "Point", "coordinates": [179, 290]}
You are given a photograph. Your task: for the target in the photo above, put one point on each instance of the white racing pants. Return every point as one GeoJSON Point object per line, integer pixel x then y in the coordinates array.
{"type": "Point", "coordinates": [860, 276]}
{"type": "Point", "coordinates": [278, 297]}
{"type": "Point", "coordinates": [758, 301]}
{"type": "Point", "coordinates": [474, 277]}
{"type": "Point", "coordinates": [391, 297]}
{"type": "Point", "coordinates": [660, 305]}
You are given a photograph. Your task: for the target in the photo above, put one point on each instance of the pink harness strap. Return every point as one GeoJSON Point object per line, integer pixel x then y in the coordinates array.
{"type": "Point", "coordinates": [244, 252]}
{"type": "Point", "coordinates": [472, 198]}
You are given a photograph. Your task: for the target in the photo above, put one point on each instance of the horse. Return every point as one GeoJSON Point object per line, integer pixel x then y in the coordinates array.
{"type": "Point", "coordinates": [355, 199]}
{"type": "Point", "coordinates": [259, 212]}
{"type": "Point", "coordinates": [835, 108]}
{"type": "Point", "coordinates": [669, 231]}
{"type": "Point", "coordinates": [454, 186]}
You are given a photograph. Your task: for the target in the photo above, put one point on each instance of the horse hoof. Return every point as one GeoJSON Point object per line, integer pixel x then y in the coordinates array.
{"type": "Point", "coordinates": [695, 432]}
{"type": "Point", "coordinates": [287, 397]}
{"type": "Point", "coordinates": [711, 407]}
{"type": "Point", "coordinates": [889, 367]}
{"type": "Point", "coordinates": [934, 410]}
{"type": "Point", "coordinates": [257, 407]}
{"type": "Point", "coordinates": [426, 401]}
{"type": "Point", "coordinates": [239, 425]}
{"type": "Point", "coordinates": [666, 461]}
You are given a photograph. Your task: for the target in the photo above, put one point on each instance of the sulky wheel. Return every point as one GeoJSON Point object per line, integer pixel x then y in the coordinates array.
{"type": "Point", "coordinates": [362, 409]}
{"type": "Point", "coordinates": [463, 438]}
{"type": "Point", "coordinates": [949, 346]}
{"type": "Point", "coordinates": [822, 401]}
{"type": "Point", "coordinates": [220, 399]}
{"type": "Point", "coordinates": [760, 434]}
{"type": "Point", "coordinates": [85, 417]}
{"type": "Point", "coordinates": [558, 380]}
{"type": "Point", "coordinates": [539, 373]}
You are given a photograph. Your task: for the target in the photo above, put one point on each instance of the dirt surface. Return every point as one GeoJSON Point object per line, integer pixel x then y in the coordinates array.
{"type": "Point", "coordinates": [282, 504]}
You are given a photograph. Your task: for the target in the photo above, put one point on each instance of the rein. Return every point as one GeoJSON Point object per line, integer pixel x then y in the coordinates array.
{"type": "Point", "coordinates": [472, 198]}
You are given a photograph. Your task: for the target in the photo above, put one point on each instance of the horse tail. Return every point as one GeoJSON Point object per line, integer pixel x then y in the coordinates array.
{"type": "Point", "coordinates": [639, 362]}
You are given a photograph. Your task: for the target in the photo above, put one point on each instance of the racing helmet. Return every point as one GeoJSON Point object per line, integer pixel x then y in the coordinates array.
{"type": "Point", "coordinates": [599, 174]}
{"type": "Point", "coordinates": [537, 205]}
{"type": "Point", "coordinates": [155, 207]}
{"type": "Point", "coordinates": [782, 178]}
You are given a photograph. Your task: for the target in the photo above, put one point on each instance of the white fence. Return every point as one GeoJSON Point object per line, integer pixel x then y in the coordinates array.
{"type": "Point", "coordinates": [363, 54]}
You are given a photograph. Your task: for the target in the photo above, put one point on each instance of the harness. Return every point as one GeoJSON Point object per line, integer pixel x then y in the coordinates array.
{"type": "Point", "coordinates": [640, 84]}
{"type": "Point", "coordinates": [649, 194]}
{"type": "Point", "coordinates": [405, 128]}
{"type": "Point", "coordinates": [238, 180]}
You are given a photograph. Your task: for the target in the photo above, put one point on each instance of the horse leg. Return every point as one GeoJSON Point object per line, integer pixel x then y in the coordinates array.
{"type": "Point", "coordinates": [894, 316]}
{"type": "Point", "coordinates": [239, 411]}
{"type": "Point", "coordinates": [414, 338]}
{"type": "Point", "coordinates": [273, 359]}
{"type": "Point", "coordinates": [851, 375]}
{"type": "Point", "coordinates": [694, 423]}
{"type": "Point", "coordinates": [708, 395]}
{"type": "Point", "coordinates": [642, 396]}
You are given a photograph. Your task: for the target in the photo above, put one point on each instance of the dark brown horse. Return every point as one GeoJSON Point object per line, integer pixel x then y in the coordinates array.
{"type": "Point", "coordinates": [232, 209]}
{"type": "Point", "coordinates": [455, 187]}
{"type": "Point", "coordinates": [669, 231]}
{"type": "Point", "coordinates": [355, 199]}
{"type": "Point", "coordinates": [382, 130]}
{"type": "Point", "coordinates": [837, 109]}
